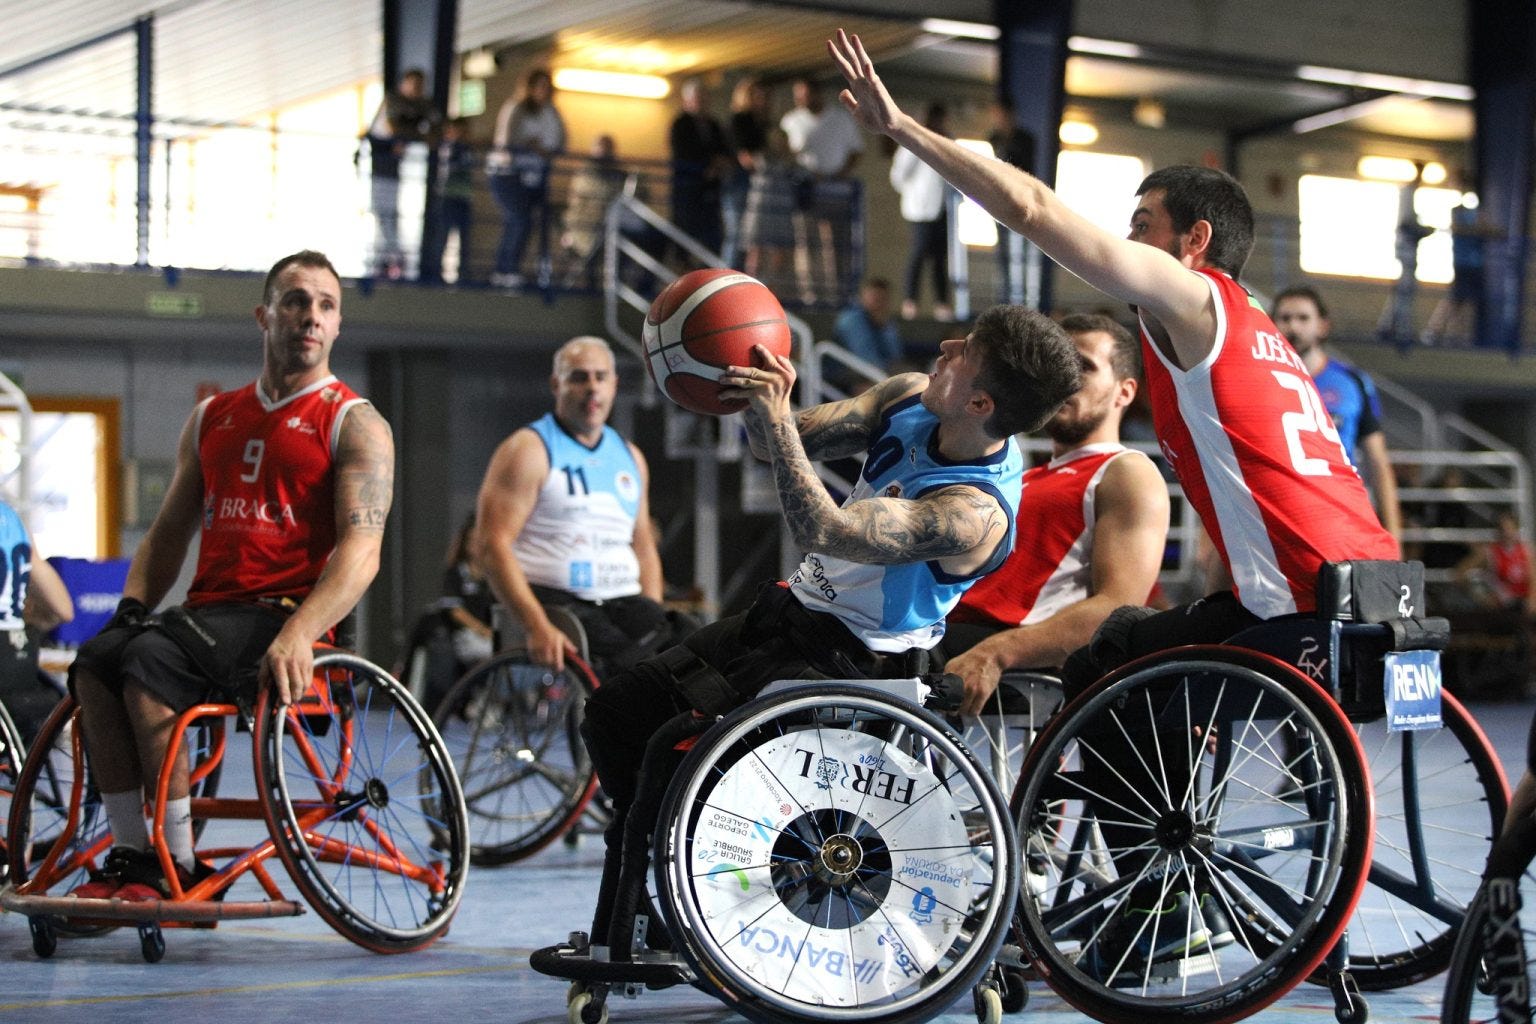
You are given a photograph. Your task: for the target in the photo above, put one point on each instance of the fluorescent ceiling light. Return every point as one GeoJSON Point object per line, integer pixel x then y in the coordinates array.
{"type": "Point", "coordinates": [1103, 47]}
{"type": "Point", "coordinates": [1387, 83]}
{"type": "Point", "coordinates": [1078, 133]}
{"type": "Point", "coordinates": [612, 83]}
{"type": "Point", "coordinates": [1387, 168]}
{"type": "Point", "coordinates": [1329, 118]}
{"type": "Point", "coordinates": [965, 29]}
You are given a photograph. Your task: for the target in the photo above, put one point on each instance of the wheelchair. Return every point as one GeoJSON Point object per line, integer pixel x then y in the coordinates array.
{"type": "Point", "coordinates": [828, 851]}
{"type": "Point", "coordinates": [358, 795]}
{"type": "Point", "coordinates": [1493, 964]}
{"type": "Point", "coordinates": [12, 753]}
{"type": "Point", "coordinates": [513, 730]}
{"type": "Point", "coordinates": [1201, 828]}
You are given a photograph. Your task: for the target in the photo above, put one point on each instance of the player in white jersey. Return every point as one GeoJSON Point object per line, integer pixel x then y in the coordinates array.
{"type": "Point", "coordinates": [31, 595]}
{"type": "Point", "coordinates": [565, 519]}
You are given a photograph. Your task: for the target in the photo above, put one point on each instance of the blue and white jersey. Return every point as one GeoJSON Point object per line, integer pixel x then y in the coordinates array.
{"type": "Point", "coordinates": [15, 568]}
{"type": "Point", "coordinates": [580, 535]}
{"type": "Point", "coordinates": [894, 607]}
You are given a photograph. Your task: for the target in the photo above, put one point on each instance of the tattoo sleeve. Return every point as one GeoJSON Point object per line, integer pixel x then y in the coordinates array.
{"type": "Point", "coordinates": [879, 531]}
{"type": "Point", "coordinates": [365, 470]}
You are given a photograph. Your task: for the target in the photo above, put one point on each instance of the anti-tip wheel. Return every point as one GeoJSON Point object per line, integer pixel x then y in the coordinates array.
{"type": "Point", "coordinates": [151, 942]}
{"type": "Point", "coordinates": [45, 940]}
{"type": "Point", "coordinates": [989, 1005]}
{"type": "Point", "coordinates": [579, 1010]}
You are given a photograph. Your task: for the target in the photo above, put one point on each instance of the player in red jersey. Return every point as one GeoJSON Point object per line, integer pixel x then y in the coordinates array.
{"type": "Point", "coordinates": [1234, 409]}
{"type": "Point", "coordinates": [287, 483]}
{"type": "Point", "coordinates": [1092, 526]}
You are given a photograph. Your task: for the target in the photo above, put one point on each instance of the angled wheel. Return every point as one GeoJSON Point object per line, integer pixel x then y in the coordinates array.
{"type": "Point", "coordinates": [12, 754]}
{"type": "Point", "coordinates": [1428, 859]}
{"type": "Point", "coordinates": [832, 854]}
{"type": "Point", "coordinates": [1493, 963]}
{"type": "Point", "coordinates": [1204, 828]}
{"type": "Point", "coordinates": [513, 730]}
{"type": "Point", "coordinates": [364, 806]}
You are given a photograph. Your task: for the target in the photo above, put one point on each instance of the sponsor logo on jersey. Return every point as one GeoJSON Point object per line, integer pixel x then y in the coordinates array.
{"type": "Point", "coordinates": [892, 490]}
{"type": "Point", "coordinates": [299, 424]}
{"type": "Point", "coordinates": [227, 423]}
{"type": "Point", "coordinates": [627, 486]}
{"type": "Point", "coordinates": [330, 395]}
{"type": "Point", "coordinates": [246, 512]}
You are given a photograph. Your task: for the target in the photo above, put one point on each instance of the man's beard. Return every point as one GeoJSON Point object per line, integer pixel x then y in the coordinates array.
{"type": "Point", "coordinates": [1069, 433]}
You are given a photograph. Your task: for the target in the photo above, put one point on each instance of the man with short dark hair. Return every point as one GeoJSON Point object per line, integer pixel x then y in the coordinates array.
{"type": "Point", "coordinates": [286, 483]}
{"type": "Point", "coordinates": [1348, 394]}
{"type": "Point", "coordinates": [933, 511]}
{"type": "Point", "coordinates": [1093, 523]}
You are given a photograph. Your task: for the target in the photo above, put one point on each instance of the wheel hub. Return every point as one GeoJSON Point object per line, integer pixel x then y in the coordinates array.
{"type": "Point", "coordinates": [1175, 830]}
{"type": "Point", "coordinates": [840, 857]}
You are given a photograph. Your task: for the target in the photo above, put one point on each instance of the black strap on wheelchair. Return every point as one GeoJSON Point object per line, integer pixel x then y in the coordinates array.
{"type": "Point", "coordinates": [701, 685]}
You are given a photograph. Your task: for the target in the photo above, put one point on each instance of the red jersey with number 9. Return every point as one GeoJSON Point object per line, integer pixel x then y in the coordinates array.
{"type": "Point", "coordinates": [1259, 458]}
{"type": "Point", "coordinates": [269, 512]}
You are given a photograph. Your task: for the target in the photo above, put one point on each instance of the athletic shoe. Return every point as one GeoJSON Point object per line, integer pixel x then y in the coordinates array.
{"type": "Point", "coordinates": [1161, 930]}
{"type": "Point", "coordinates": [104, 884]}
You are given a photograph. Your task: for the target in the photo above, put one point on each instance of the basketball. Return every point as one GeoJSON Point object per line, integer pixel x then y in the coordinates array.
{"type": "Point", "coordinates": [703, 322]}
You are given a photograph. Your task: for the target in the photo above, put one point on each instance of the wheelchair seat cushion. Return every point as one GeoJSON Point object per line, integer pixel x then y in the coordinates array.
{"type": "Point", "coordinates": [1370, 591]}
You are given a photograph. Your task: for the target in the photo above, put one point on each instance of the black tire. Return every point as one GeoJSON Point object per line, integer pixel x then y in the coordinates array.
{"type": "Point", "coordinates": [1427, 865]}
{"type": "Point", "coordinates": [378, 853]}
{"type": "Point", "coordinates": [55, 784]}
{"type": "Point", "coordinates": [1493, 964]}
{"type": "Point", "coordinates": [895, 915]}
{"type": "Point", "coordinates": [1176, 759]}
{"type": "Point", "coordinates": [513, 730]}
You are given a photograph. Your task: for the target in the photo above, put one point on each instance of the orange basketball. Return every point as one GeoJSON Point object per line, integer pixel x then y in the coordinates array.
{"type": "Point", "coordinates": [703, 322]}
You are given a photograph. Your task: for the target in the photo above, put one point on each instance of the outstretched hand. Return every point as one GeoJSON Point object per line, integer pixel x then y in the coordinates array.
{"type": "Point", "coordinates": [865, 97]}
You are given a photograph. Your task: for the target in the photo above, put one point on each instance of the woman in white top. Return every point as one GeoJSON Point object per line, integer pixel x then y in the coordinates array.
{"type": "Point", "coordinates": [529, 131]}
{"type": "Point", "coordinates": [923, 206]}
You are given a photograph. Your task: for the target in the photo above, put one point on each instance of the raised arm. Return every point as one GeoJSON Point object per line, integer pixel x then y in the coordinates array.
{"type": "Point", "coordinates": [1130, 531]}
{"type": "Point", "coordinates": [507, 498]}
{"type": "Point", "coordinates": [961, 526]}
{"type": "Point", "coordinates": [1142, 275]}
{"type": "Point", "coordinates": [364, 473]}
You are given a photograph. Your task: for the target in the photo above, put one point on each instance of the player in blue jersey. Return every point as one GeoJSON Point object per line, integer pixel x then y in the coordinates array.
{"type": "Point", "coordinates": [565, 520]}
{"type": "Point", "coordinates": [31, 594]}
{"type": "Point", "coordinates": [1347, 393]}
{"type": "Point", "coordinates": [932, 511]}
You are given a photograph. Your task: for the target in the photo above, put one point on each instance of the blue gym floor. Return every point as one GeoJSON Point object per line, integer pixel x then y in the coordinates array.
{"type": "Point", "coordinates": [297, 969]}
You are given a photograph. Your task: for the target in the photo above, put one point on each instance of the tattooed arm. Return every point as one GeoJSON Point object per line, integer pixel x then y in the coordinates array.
{"type": "Point", "coordinates": [835, 430]}
{"type": "Point", "coordinates": [364, 474]}
{"type": "Point", "coordinates": [959, 525]}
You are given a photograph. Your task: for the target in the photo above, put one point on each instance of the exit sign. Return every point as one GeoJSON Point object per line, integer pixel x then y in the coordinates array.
{"type": "Point", "coordinates": [173, 304]}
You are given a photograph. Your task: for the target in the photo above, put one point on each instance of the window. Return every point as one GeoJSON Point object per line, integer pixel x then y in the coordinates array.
{"type": "Point", "coordinates": [1100, 186]}
{"type": "Point", "coordinates": [1348, 227]}
{"type": "Point", "coordinates": [75, 474]}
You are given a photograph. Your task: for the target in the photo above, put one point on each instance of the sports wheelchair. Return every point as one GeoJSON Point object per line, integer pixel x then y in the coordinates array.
{"type": "Point", "coordinates": [828, 851]}
{"type": "Point", "coordinates": [1493, 965]}
{"type": "Point", "coordinates": [357, 792]}
{"type": "Point", "coordinates": [1198, 825]}
{"type": "Point", "coordinates": [512, 728]}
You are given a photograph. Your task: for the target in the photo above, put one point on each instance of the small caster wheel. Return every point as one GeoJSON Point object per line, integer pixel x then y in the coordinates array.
{"type": "Point", "coordinates": [988, 1003]}
{"type": "Point", "coordinates": [151, 942]}
{"type": "Point", "coordinates": [582, 1010]}
{"type": "Point", "coordinates": [1015, 990]}
{"type": "Point", "coordinates": [1349, 1006]}
{"type": "Point", "coordinates": [45, 940]}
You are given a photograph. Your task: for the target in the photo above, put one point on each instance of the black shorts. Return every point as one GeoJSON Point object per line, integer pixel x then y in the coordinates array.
{"type": "Point", "coordinates": [160, 662]}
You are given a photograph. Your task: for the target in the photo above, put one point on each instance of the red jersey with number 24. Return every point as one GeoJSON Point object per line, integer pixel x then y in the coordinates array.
{"type": "Point", "coordinates": [269, 513]}
{"type": "Point", "coordinates": [1259, 458]}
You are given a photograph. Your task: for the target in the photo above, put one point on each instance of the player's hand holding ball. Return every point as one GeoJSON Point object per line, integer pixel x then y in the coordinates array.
{"type": "Point", "coordinates": [707, 322]}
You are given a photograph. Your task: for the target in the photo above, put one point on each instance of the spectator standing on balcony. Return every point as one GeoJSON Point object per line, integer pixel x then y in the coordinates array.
{"type": "Point", "coordinates": [827, 143]}
{"type": "Point", "coordinates": [1455, 316]}
{"type": "Point", "coordinates": [924, 206]}
{"type": "Point", "coordinates": [451, 204]}
{"type": "Point", "coordinates": [768, 225]}
{"type": "Point", "coordinates": [594, 186]}
{"type": "Point", "coordinates": [1348, 394]}
{"type": "Point", "coordinates": [405, 116]}
{"type": "Point", "coordinates": [529, 132]}
{"type": "Point", "coordinates": [747, 135]}
{"type": "Point", "coordinates": [1396, 323]}
{"type": "Point", "coordinates": [1012, 145]}
{"type": "Point", "coordinates": [700, 159]}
